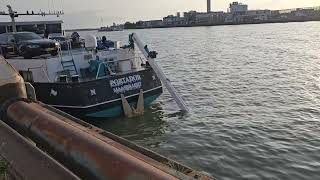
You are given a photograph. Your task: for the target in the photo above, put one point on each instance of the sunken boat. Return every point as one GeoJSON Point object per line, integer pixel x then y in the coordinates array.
{"type": "Point", "coordinates": [83, 79]}
{"type": "Point", "coordinates": [91, 82]}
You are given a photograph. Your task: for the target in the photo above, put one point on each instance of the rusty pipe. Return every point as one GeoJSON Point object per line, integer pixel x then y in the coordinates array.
{"type": "Point", "coordinates": [101, 159]}
{"type": "Point", "coordinates": [11, 83]}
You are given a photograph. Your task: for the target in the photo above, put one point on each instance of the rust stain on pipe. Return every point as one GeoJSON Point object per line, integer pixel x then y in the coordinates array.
{"type": "Point", "coordinates": [12, 90]}
{"type": "Point", "coordinates": [165, 164]}
{"type": "Point", "coordinates": [101, 159]}
{"type": "Point", "coordinates": [11, 83]}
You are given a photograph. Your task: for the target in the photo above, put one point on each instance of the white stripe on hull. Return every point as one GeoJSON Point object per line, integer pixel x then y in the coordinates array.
{"type": "Point", "coordinates": [106, 102]}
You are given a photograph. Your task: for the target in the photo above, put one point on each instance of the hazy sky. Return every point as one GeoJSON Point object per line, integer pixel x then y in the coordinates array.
{"type": "Point", "coordinates": [94, 13]}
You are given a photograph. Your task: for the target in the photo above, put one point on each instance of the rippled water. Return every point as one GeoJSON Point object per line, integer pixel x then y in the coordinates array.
{"type": "Point", "coordinates": [254, 94]}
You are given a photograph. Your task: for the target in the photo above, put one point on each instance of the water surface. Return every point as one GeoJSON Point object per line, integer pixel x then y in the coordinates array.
{"type": "Point", "coordinates": [254, 95]}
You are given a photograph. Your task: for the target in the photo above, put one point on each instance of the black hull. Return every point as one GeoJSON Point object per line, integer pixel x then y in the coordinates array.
{"type": "Point", "coordinates": [101, 97]}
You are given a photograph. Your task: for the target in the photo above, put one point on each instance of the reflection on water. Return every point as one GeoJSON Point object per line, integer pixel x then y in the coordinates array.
{"type": "Point", "coordinates": [137, 129]}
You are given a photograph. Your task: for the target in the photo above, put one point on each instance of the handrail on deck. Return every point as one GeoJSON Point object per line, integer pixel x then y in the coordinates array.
{"type": "Point", "coordinates": [45, 72]}
{"type": "Point", "coordinates": [98, 72]}
{"type": "Point", "coordinates": [113, 61]}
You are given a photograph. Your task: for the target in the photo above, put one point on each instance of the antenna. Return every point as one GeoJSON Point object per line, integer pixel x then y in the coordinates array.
{"type": "Point", "coordinates": [13, 14]}
{"type": "Point", "coordinates": [208, 6]}
{"type": "Point", "coordinates": [102, 24]}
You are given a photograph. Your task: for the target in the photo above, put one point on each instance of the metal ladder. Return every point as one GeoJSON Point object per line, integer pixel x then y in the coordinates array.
{"type": "Point", "coordinates": [68, 65]}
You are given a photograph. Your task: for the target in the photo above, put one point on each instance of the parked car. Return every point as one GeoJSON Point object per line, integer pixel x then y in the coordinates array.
{"type": "Point", "coordinates": [27, 44]}
{"type": "Point", "coordinates": [61, 39]}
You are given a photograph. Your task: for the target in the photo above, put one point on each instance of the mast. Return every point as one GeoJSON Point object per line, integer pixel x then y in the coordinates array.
{"type": "Point", "coordinates": [150, 57]}
{"type": "Point", "coordinates": [208, 6]}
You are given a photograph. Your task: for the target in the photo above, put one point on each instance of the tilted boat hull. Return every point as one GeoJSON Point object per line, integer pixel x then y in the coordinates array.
{"type": "Point", "coordinates": [101, 97]}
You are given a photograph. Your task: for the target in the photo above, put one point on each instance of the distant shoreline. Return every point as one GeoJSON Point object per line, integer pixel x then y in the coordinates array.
{"type": "Point", "coordinates": [82, 29]}
{"type": "Point", "coordinates": [201, 25]}
{"type": "Point", "coordinates": [230, 24]}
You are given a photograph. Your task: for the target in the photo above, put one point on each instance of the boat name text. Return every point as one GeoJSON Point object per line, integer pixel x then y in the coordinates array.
{"type": "Point", "coordinates": [126, 84]}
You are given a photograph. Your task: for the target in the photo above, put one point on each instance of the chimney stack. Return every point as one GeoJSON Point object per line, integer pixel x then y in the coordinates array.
{"type": "Point", "coordinates": [208, 6]}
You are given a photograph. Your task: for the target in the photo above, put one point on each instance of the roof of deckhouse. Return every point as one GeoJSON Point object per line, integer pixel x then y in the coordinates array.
{"type": "Point", "coordinates": [26, 20]}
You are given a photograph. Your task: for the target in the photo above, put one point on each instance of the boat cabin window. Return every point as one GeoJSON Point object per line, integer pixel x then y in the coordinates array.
{"type": "Point", "coordinates": [54, 28]}
{"type": "Point", "coordinates": [29, 28]}
{"type": "Point", "coordinates": [3, 29]}
{"type": "Point", "coordinates": [27, 76]}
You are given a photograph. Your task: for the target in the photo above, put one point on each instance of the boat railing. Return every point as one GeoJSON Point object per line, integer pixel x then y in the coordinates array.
{"type": "Point", "coordinates": [128, 59]}
{"type": "Point", "coordinates": [107, 67]}
{"type": "Point", "coordinates": [69, 50]}
{"type": "Point", "coordinates": [45, 72]}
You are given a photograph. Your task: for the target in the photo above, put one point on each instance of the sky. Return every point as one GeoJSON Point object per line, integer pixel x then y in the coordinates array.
{"type": "Point", "coordinates": [96, 13]}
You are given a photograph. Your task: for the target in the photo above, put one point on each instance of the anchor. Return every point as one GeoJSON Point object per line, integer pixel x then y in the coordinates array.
{"type": "Point", "coordinates": [131, 112]}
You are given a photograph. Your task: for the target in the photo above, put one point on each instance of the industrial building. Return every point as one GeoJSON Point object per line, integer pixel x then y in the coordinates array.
{"type": "Point", "coordinates": [36, 24]}
{"type": "Point", "coordinates": [174, 20]}
{"type": "Point", "coordinates": [238, 13]}
{"type": "Point", "coordinates": [238, 8]}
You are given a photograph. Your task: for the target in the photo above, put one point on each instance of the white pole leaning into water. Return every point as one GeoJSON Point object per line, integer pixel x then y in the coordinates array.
{"type": "Point", "coordinates": [182, 105]}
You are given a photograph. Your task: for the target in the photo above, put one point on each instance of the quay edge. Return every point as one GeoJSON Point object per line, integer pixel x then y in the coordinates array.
{"type": "Point", "coordinates": [26, 161]}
